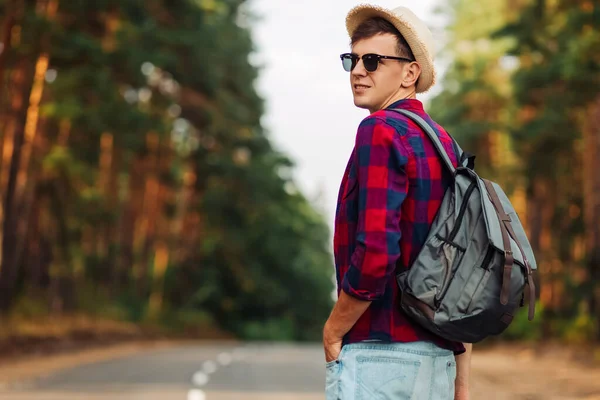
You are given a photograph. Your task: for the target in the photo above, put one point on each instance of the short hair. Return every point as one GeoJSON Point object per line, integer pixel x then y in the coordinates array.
{"type": "Point", "coordinates": [376, 26]}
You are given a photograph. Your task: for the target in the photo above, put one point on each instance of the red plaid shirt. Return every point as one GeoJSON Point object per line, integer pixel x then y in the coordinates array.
{"type": "Point", "coordinates": [390, 194]}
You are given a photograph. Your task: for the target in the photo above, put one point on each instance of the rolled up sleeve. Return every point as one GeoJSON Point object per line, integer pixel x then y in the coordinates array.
{"type": "Point", "coordinates": [383, 184]}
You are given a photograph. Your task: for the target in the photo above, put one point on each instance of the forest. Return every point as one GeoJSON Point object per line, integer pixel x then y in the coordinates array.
{"type": "Point", "coordinates": [138, 184]}
{"type": "Point", "coordinates": [523, 93]}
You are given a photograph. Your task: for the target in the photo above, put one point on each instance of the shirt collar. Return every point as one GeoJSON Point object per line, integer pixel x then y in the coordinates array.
{"type": "Point", "coordinates": [408, 104]}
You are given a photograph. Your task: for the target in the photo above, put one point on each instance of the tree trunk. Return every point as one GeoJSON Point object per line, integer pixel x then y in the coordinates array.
{"type": "Point", "coordinates": [35, 261]}
{"type": "Point", "coordinates": [22, 128]}
{"type": "Point", "coordinates": [13, 12]}
{"type": "Point", "coordinates": [183, 218]}
{"type": "Point", "coordinates": [538, 222]}
{"type": "Point", "coordinates": [127, 223]}
{"type": "Point", "coordinates": [146, 225]}
{"type": "Point", "coordinates": [63, 277]}
{"type": "Point", "coordinates": [8, 23]}
{"type": "Point", "coordinates": [103, 184]}
{"type": "Point", "coordinates": [161, 261]}
{"type": "Point", "coordinates": [591, 157]}
{"type": "Point", "coordinates": [15, 135]}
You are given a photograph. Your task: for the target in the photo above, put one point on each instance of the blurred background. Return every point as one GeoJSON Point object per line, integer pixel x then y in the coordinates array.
{"type": "Point", "coordinates": [169, 169]}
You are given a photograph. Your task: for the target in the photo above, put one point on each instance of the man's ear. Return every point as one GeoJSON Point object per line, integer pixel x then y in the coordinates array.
{"type": "Point", "coordinates": [412, 72]}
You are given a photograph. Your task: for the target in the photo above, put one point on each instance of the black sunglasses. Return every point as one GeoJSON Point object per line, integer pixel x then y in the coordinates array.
{"type": "Point", "coordinates": [370, 61]}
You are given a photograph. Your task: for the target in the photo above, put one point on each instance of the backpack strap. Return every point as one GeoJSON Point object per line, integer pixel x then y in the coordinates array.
{"type": "Point", "coordinates": [464, 159]}
{"type": "Point", "coordinates": [507, 232]}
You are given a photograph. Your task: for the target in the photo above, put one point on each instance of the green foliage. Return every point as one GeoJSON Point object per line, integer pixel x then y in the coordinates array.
{"type": "Point", "coordinates": [96, 301]}
{"type": "Point", "coordinates": [520, 84]}
{"type": "Point", "coordinates": [523, 329]}
{"type": "Point", "coordinates": [271, 330]}
{"type": "Point", "coordinates": [581, 328]}
{"type": "Point", "coordinates": [476, 91]}
{"type": "Point", "coordinates": [30, 307]}
{"type": "Point", "coordinates": [183, 321]}
{"type": "Point", "coordinates": [150, 93]}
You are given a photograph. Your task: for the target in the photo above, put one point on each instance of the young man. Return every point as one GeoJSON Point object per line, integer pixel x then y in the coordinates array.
{"type": "Point", "coordinates": [389, 196]}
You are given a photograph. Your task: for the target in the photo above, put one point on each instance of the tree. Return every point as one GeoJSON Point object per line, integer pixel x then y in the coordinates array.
{"type": "Point", "coordinates": [521, 93]}
{"type": "Point", "coordinates": [151, 184]}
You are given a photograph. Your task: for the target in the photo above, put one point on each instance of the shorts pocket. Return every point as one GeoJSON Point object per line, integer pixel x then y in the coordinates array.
{"type": "Point", "coordinates": [382, 378]}
{"type": "Point", "coordinates": [333, 370]}
{"type": "Point", "coordinates": [332, 381]}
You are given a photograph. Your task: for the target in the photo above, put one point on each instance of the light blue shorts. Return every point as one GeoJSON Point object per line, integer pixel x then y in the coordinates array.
{"type": "Point", "coordinates": [394, 371]}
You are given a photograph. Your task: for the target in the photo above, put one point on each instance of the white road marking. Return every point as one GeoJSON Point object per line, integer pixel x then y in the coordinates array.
{"type": "Point", "coordinates": [224, 358]}
{"type": "Point", "coordinates": [209, 367]}
{"type": "Point", "coordinates": [196, 394]}
{"type": "Point", "coordinates": [200, 378]}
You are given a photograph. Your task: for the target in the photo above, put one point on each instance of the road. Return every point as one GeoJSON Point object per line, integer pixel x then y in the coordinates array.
{"type": "Point", "coordinates": [215, 372]}
{"type": "Point", "coordinates": [282, 372]}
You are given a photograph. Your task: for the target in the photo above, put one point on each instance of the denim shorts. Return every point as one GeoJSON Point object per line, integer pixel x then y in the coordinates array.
{"type": "Point", "coordinates": [394, 371]}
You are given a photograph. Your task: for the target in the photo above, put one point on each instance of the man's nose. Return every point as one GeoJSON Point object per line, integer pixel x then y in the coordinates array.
{"type": "Point", "coordinates": [359, 69]}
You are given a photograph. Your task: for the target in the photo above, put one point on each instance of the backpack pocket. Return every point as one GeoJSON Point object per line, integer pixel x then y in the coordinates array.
{"type": "Point", "coordinates": [479, 289]}
{"type": "Point", "coordinates": [430, 278]}
{"type": "Point", "coordinates": [474, 284]}
{"type": "Point", "coordinates": [451, 253]}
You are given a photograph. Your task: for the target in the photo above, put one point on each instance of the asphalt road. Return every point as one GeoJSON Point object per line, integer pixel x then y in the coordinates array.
{"type": "Point", "coordinates": [216, 372]}
{"type": "Point", "coordinates": [273, 372]}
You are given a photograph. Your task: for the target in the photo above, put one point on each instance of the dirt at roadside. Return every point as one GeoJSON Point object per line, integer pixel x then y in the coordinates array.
{"type": "Point", "coordinates": [522, 373]}
{"type": "Point", "coordinates": [60, 335]}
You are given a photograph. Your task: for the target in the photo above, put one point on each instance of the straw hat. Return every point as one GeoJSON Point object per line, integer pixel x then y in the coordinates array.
{"type": "Point", "coordinates": [417, 35]}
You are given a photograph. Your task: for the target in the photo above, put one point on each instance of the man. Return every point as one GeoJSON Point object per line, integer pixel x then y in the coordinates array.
{"type": "Point", "coordinates": [389, 196]}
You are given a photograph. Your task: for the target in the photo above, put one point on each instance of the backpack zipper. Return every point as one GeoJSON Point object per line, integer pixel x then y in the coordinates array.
{"type": "Point", "coordinates": [450, 275]}
{"type": "Point", "coordinates": [488, 257]}
{"type": "Point", "coordinates": [461, 213]}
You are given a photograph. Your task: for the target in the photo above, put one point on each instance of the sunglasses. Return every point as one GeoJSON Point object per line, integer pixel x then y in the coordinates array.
{"type": "Point", "coordinates": [370, 61]}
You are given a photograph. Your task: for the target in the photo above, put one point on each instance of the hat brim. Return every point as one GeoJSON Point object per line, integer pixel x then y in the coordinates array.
{"type": "Point", "coordinates": [362, 13]}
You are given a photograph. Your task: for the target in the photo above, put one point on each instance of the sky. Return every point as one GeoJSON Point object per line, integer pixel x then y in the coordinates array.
{"type": "Point", "coordinates": [310, 115]}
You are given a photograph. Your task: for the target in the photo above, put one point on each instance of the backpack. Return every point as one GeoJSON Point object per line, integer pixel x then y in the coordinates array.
{"type": "Point", "coordinates": [470, 277]}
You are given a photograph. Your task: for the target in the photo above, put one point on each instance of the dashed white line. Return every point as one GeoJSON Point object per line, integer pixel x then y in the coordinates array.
{"type": "Point", "coordinates": [224, 359]}
{"type": "Point", "coordinates": [200, 378]}
{"type": "Point", "coordinates": [209, 367]}
{"type": "Point", "coordinates": [196, 394]}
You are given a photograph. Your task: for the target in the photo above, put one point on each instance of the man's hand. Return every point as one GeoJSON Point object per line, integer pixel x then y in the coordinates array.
{"type": "Point", "coordinates": [344, 315]}
{"type": "Point", "coordinates": [332, 345]}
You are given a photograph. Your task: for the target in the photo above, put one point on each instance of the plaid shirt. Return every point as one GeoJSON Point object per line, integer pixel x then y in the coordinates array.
{"type": "Point", "coordinates": [391, 191]}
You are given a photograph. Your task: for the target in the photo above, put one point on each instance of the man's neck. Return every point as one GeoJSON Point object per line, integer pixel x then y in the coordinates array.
{"type": "Point", "coordinates": [407, 95]}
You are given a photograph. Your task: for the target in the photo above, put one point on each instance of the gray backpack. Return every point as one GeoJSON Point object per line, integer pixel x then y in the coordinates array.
{"type": "Point", "coordinates": [469, 278]}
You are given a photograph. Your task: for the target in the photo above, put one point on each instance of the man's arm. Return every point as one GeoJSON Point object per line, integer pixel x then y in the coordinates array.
{"type": "Point", "coordinates": [379, 160]}
{"type": "Point", "coordinates": [463, 374]}
{"type": "Point", "coordinates": [346, 312]}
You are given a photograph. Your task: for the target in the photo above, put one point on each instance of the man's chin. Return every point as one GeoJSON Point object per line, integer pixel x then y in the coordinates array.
{"type": "Point", "coordinates": [361, 103]}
